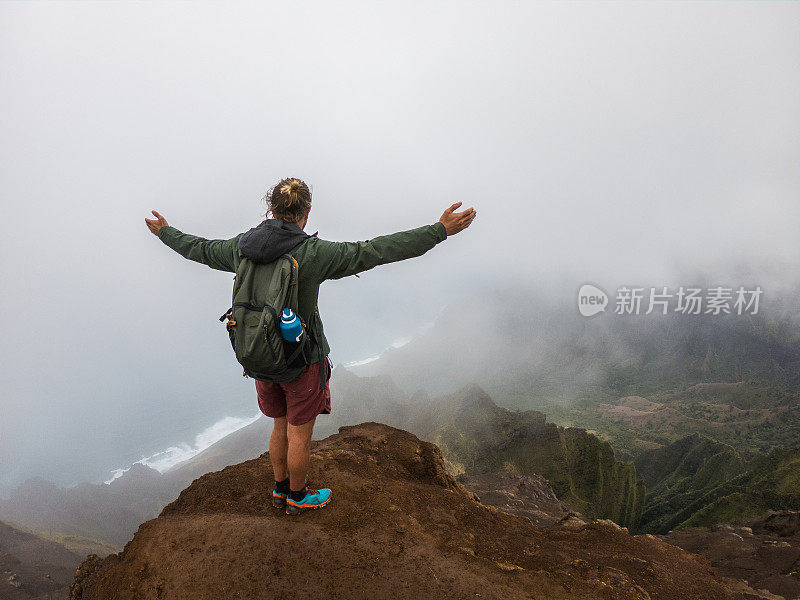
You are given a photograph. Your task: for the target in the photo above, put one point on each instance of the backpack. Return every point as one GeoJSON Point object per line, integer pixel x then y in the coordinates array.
{"type": "Point", "coordinates": [260, 293]}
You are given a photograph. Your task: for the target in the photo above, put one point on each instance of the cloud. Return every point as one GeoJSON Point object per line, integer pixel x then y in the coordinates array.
{"type": "Point", "coordinates": [608, 141]}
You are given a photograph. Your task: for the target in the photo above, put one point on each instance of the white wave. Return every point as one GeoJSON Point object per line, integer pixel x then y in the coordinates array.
{"type": "Point", "coordinates": [366, 361]}
{"type": "Point", "coordinates": [399, 343]}
{"type": "Point", "coordinates": [166, 459]}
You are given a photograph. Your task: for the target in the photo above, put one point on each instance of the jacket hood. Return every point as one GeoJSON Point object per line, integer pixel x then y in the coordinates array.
{"type": "Point", "coordinates": [270, 240]}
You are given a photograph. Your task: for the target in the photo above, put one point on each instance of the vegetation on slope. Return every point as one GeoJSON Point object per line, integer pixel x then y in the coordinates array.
{"type": "Point", "coordinates": [476, 436]}
{"type": "Point", "coordinates": [698, 481]}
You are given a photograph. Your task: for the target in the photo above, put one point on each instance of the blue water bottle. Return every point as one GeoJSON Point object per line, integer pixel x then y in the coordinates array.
{"type": "Point", "coordinates": [291, 327]}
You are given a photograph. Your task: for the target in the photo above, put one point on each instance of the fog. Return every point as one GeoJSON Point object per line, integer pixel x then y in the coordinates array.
{"type": "Point", "coordinates": [624, 142]}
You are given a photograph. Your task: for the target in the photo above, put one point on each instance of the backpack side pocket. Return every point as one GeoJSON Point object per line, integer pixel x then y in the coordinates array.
{"type": "Point", "coordinates": [256, 339]}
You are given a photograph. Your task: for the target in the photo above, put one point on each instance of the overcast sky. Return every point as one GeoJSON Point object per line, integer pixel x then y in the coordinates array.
{"type": "Point", "coordinates": [624, 141]}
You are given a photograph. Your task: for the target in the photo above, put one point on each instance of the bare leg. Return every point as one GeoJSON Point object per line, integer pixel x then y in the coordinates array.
{"type": "Point", "coordinates": [299, 450]}
{"type": "Point", "coordinates": [278, 446]}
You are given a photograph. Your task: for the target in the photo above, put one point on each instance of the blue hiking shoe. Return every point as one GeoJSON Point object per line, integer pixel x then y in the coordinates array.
{"type": "Point", "coordinates": [279, 499]}
{"type": "Point", "coordinates": [312, 499]}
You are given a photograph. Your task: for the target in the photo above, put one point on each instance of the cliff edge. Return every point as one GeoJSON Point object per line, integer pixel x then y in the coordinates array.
{"type": "Point", "coordinates": [399, 526]}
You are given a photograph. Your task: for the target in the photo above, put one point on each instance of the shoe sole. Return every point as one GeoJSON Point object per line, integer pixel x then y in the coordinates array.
{"type": "Point", "coordinates": [302, 509]}
{"type": "Point", "coordinates": [278, 502]}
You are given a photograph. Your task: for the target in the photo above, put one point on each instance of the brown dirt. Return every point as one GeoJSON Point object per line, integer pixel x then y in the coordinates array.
{"type": "Point", "coordinates": [766, 553]}
{"type": "Point", "coordinates": [524, 495]}
{"type": "Point", "coordinates": [33, 568]}
{"type": "Point", "coordinates": [398, 526]}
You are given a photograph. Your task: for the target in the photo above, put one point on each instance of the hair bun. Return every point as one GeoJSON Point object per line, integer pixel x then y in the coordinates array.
{"type": "Point", "coordinates": [289, 200]}
{"type": "Point", "coordinates": [291, 186]}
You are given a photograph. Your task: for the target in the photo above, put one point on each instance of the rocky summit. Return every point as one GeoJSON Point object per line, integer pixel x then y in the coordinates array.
{"type": "Point", "coordinates": [399, 526]}
{"type": "Point", "coordinates": [765, 551]}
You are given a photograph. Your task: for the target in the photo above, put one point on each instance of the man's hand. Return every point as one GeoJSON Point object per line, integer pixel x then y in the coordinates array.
{"type": "Point", "coordinates": [457, 221]}
{"type": "Point", "coordinates": [156, 224]}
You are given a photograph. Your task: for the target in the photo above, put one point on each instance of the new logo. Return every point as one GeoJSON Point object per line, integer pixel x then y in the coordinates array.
{"type": "Point", "coordinates": [591, 300]}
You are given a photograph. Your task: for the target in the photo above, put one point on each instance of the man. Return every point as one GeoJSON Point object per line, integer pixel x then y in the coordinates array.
{"type": "Point", "coordinates": [294, 405]}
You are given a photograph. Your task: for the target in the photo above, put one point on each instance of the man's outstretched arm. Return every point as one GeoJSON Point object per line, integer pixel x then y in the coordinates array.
{"type": "Point", "coordinates": [340, 259]}
{"type": "Point", "coordinates": [217, 254]}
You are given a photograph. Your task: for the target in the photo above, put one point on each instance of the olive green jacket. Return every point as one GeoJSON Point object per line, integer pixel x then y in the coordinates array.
{"type": "Point", "coordinates": [318, 259]}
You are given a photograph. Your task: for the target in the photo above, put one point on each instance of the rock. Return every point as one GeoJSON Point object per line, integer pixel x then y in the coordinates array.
{"type": "Point", "coordinates": [525, 495]}
{"type": "Point", "coordinates": [572, 521]}
{"type": "Point", "coordinates": [223, 539]}
{"type": "Point", "coordinates": [783, 523]}
{"type": "Point", "coordinates": [610, 524]}
{"type": "Point", "coordinates": [508, 567]}
{"type": "Point", "coordinates": [764, 554]}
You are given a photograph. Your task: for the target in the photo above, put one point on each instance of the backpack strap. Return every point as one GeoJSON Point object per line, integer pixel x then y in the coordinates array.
{"type": "Point", "coordinates": [291, 358]}
{"type": "Point", "coordinates": [318, 341]}
{"type": "Point", "coordinates": [293, 280]}
{"type": "Point", "coordinates": [312, 325]}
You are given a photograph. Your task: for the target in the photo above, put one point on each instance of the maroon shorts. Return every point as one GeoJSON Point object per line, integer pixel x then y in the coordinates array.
{"type": "Point", "coordinates": [300, 400]}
